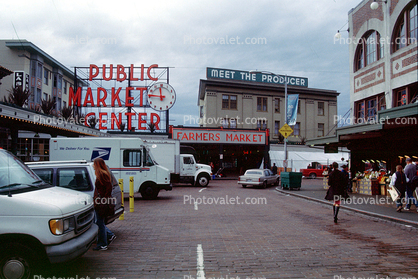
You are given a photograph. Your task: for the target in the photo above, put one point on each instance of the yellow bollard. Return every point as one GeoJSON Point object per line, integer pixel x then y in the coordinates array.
{"type": "Point", "coordinates": [122, 217]}
{"type": "Point", "coordinates": [131, 194]}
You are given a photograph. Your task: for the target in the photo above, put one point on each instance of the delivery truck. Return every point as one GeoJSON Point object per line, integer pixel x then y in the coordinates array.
{"type": "Point", "coordinates": [183, 167]}
{"type": "Point", "coordinates": [125, 157]}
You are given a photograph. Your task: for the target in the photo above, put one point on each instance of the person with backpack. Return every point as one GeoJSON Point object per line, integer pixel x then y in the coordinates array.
{"type": "Point", "coordinates": [337, 182]}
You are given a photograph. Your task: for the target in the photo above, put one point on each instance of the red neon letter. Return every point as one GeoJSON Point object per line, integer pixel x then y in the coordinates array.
{"type": "Point", "coordinates": [76, 99]}
{"type": "Point", "coordinates": [149, 71]}
{"type": "Point", "coordinates": [141, 121]}
{"type": "Point", "coordinates": [115, 96]}
{"type": "Point", "coordinates": [89, 98]}
{"type": "Point", "coordinates": [153, 114]}
{"type": "Point", "coordinates": [114, 119]}
{"type": "Point", "coordinates": [101, 100]}
{"type": "Point", "coordinates": [120, 70]}
{"type": "Point", "coordinates": [91, 73]}
{"type": "Point", "coordinates": [102, 121]}
{"type": "Point", "coordinates": [141, 96]}
{"type": "Point", "coordinates": [131, 75]}
{"type": "Point", "coordinates": [110, 72]}
{"type": "Point", "coordinates": [128, 98]}
{"type": "Point", "coordinates": [129, 115]}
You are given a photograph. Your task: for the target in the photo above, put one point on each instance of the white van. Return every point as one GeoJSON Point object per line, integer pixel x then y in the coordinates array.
{"type": "Point", "coordinates": [39, 222]}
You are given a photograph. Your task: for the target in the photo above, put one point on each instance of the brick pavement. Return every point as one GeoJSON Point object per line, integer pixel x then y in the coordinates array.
{"type": "Point", "coordinates": [288, 237]}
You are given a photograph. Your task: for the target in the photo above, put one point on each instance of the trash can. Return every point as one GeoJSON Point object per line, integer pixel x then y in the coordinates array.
{"type": "Point", "coordinates": [291, 180]}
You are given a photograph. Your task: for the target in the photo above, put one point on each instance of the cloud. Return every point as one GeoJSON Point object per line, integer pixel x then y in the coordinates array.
{"type": "Point", "coordinates": [295, 38]}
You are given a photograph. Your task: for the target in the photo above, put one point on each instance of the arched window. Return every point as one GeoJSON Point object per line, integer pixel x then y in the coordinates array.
{"type": "Point", "coordinates": [406, 29]}
{"type": "Point", "coordinates": [368, 50]}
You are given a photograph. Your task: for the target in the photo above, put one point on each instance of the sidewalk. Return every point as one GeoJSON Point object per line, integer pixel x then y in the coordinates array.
{"type": "Point", "coordinates": [376, 206]}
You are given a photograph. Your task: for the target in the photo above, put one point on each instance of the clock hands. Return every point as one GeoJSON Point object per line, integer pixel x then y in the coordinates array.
{"type": "Point", "coordinates": [161, 96]}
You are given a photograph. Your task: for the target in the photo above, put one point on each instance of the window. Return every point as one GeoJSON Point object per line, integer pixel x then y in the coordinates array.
{"type": "Point", "coordinates": [413, 23]}
{"type": "Point", "coordinates": [132, 158]}
{"type": "Point", "coordinates": [371, 109]}
{"type": "Point", "coordinates": [401, 98]}
{"type": "Point", "coordinates": [298, 107]}
{"type": "Point", "coordinates": [45, 174]}
{"type": "Point", "coordinates": [277, 105]}
{"type": "Point", "coordinates": [321, 129]}
{"type": "Point", "coordinates": [65, 87]}
{"type": "Point", "coordinates": [276, 128]}
{"type": "Point", "coordinates": [296, 129]}
{"type": "Point", "coordinates": [261, 104]}
{"type": "Point", "coordinates": [262, 124]}
{"type": "Point", "coordinates": [406, 30]}
{"type": "Point", "coordinates": [229, 123]}
{"type": "Point", "coordinates": [229, 102]}
{"type": "Point", "coordinates": [320, 108]}
{"type": "Point", "coordinates": [74, 178]}
{"type": "Point", "coordinates": [369, 50]}
{"type": "Point", "coordinates": [187, 160]}
{"type": "Point", "coordinates": [46, 76]}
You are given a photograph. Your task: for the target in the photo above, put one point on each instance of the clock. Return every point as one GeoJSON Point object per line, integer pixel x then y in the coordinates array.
{"type": "Point", "coordinates": [161, 96]}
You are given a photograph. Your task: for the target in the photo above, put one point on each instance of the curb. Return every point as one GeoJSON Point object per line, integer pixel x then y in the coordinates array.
{"type": "Point", "coordinates": [376, 215]}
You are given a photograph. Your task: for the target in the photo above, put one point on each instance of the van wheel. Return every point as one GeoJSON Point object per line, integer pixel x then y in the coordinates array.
{"type": "Point", "coordinates": [202, 180]}
{"type": "Point", "coordinates": [149, 191]}
{"type": "Point", "coordinates": [17, 262]}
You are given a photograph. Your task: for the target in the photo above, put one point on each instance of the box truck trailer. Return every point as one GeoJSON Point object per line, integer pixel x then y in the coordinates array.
{"type": "Point", "coordinates": [125, 157]}
{"type": "Point", "coordinates": [183, 167]}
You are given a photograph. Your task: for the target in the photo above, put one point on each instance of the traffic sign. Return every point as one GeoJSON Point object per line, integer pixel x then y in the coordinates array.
{"type": "Point", "coordinates": [286, 131]}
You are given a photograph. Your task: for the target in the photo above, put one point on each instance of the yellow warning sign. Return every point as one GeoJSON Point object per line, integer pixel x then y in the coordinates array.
{"type": "Point", "coordinates": [286, 131]}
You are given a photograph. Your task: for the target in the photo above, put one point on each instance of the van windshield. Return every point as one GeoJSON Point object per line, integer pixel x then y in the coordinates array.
{"type": "Point", "coordinates": [16, 176]}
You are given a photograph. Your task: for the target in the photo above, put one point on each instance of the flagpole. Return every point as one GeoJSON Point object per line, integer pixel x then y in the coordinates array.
{"type": "Point", "coordinates": [286, 112]}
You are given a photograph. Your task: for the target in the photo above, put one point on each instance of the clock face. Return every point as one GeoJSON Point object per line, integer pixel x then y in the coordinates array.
{"type": "Point", "coordinates": [161, 96]}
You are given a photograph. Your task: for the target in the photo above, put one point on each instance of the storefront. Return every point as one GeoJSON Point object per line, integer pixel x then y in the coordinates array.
{"type": "Point", "coordinates": [231, 151]}
{"type": "Point", "coordinates": [378, 146]}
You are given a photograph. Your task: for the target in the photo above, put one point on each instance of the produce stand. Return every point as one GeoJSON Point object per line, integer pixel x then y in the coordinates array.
{"type": "Point", "coordinates": [291, 180]}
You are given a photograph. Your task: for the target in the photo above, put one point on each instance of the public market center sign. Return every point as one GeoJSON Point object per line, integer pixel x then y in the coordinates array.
{"type": "Point", "coordinates": [212, 73]}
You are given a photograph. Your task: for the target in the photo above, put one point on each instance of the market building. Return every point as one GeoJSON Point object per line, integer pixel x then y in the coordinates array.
{"type": "Point", "coordinates": [234, 100]}
{"type": "Point", "coordinates": [382, 130]}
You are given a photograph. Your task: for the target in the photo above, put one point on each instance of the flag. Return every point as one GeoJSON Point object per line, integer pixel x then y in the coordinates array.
{"type": "Point", "coordinates": [292, 108]}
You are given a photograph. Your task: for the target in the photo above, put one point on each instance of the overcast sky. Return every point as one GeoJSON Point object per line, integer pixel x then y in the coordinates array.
{"type": "Point", "coordinates": [293, 37]}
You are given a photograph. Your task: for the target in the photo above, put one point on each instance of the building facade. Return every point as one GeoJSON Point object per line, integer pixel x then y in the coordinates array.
{"type": "Point", "coordinates": [383, 57]}
{"type": "Point", "coordinates": [383, 51]}
{"type": "Point", "coordinates": [41, 74]}
{"type": "Point", "coordinates": [252, 104]}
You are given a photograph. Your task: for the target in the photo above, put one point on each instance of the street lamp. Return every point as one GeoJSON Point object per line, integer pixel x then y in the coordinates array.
{"type": "Point", "coordinates": [374, 5]}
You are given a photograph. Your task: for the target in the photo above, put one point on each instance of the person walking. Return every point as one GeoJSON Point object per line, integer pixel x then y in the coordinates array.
{"type": "Point", "coordinates": [399, 181]}
{"type": "Point", "coordinates": [337, 189]}
{"type": "Point", "coordinates": [410, 172]}
{"type": "Point", "coordinates": [102, 198]}
{"type": "Point", "coordinates": [274, 169]}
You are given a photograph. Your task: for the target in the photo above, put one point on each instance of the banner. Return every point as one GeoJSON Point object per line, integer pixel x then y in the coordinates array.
{"type": "Point", "coordinates": [292, 108]}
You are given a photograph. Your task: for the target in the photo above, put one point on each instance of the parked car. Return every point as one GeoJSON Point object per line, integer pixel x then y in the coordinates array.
{"type": "Point", "coordinates": [39, 223]}
{"type": "Point", "coordinates": [77, 175]}
{"type": "Point", "coordinates": [258, 177]}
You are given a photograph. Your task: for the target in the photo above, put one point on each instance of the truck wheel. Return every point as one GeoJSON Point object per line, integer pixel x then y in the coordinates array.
{"type": "Point", "coordinates": [149, 191]}
{"type": "Point", "coordinates": [17, 262]}
{"type": "Point", "coordinates": [312, 176]}
{"type": "Point", "coordinates": [202, 180]}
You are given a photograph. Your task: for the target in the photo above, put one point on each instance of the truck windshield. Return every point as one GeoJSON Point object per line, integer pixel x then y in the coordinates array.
{"type": "Point", "coordinates": [16, 176]}
{"type": "Point", "coordinates": [148, 159]}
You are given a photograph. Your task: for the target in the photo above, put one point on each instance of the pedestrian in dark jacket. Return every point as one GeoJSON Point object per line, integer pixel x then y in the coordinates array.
{"type": "Point", "coordinates": [337, 189]}
{"type": "Point", "coordinates": [399, 181]}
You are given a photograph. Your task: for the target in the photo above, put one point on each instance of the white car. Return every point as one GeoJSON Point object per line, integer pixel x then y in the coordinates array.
{"type": "Point", "coordinates": [259, 177]}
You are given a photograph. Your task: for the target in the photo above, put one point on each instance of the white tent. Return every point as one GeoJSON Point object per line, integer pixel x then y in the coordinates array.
{"type": "Point", "coordinates": [301, 157]}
